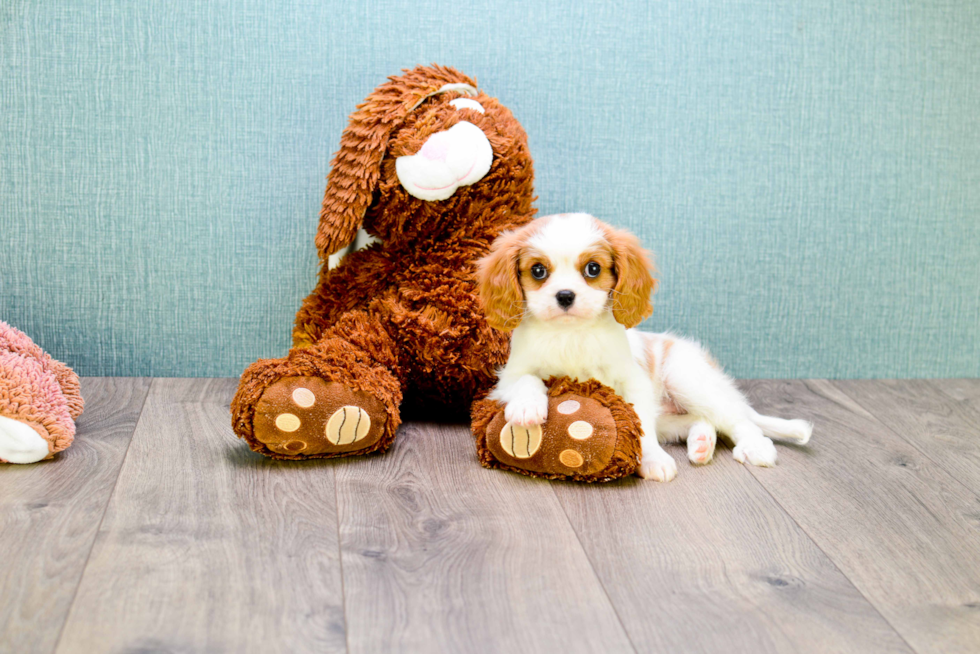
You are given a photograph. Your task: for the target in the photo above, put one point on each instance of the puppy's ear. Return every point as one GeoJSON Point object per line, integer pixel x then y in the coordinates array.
{"type": "Point", "coordinates": [356, 168]}
{"type": "Point", "coordinates": [498, 285]}
{"type": "Point", "coordinates": [634, 278]}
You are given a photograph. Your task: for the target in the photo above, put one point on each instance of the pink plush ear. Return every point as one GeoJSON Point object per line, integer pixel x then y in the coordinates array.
{"type": "Point", "coordinates": [356, 168]}
{"type": "Point", "coordinates": [498, 285]}
{"type": "Point", "coordinates": [634, 278]}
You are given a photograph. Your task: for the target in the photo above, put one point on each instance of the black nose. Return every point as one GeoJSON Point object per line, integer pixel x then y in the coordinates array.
{"type": "Point", "coordinates": [565, 298]}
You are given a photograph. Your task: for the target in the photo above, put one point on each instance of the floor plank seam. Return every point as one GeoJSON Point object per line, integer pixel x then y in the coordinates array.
{"type": "Point", "coordinates": [829, 559]}
{"type": "Point", "coordinates": [939, 466]}
{"type": "Point", "coordinates": [588, 558]}
{"type": "Point", "coordinates": [340, 559]}
{"type": "Point", "coordinates": [115, 484]}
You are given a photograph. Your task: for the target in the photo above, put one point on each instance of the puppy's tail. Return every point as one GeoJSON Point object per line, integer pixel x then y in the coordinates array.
{"type": "Point", "coordinates": [796, 431]}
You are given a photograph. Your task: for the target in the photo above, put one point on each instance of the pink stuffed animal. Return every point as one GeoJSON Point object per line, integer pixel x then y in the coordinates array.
{"type": "Point", "coordinates": [39, 400]}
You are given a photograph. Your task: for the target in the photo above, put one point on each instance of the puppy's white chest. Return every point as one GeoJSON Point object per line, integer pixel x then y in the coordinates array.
{"type": "Point", "coordinates": [598, 353]}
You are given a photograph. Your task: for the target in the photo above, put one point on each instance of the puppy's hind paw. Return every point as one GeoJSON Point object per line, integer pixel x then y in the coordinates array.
{"type": "Point", "coordinates": [758, 451]}
{"type": "Point", "coordinates": [799, 431]}
{"type": "Point", "coordinates": [658, 466]}
{"type": "Point", "coordinates": [701, 440]}
{"type": "Point", "coordinates": [527, 410]}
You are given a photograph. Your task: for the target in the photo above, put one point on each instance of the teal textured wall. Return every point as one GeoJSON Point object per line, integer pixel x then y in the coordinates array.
{"type": "Point", "coordinates": [807, 172]}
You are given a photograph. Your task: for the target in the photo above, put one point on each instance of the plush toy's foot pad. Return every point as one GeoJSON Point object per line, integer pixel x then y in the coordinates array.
{"type": "Point", "coordinates": [581, 439]}
{"type": "Point", "coordinates": [21, 443]}
{"type": "Point", "coordinates": [578, 438]}
{"type": "Point", "coordinates": [299, 417]}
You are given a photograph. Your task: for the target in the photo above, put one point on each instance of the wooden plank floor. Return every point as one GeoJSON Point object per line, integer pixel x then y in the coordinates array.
{"type": "Point", "coordinates": [158, 531]}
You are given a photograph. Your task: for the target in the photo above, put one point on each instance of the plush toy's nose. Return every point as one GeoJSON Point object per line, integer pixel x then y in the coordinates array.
{"type": "Point", "coordinates": [459, 156]}
{"type": "Point", "coordinates": [436, 148]}
{"type": "Point", "coordinates": [565, 298]}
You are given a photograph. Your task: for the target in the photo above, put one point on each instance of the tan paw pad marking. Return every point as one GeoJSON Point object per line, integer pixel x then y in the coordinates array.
{"type": "Point", "coordinates": [287, 422]}
{"type": "Point", "coordinates": [348, 424]}
{"type": "Point", "coordinates": [304, 397]}
{"type": "Point", "coordinates": [520, 442]}
{"type": "Point", "coordinates": [580, 430]}
{"type": "Point", "coordinates": [294, 447]}
{"type": "Point", "coordinates": [571, 458]}
{"type": "Point", "coordinates": [568, 407]}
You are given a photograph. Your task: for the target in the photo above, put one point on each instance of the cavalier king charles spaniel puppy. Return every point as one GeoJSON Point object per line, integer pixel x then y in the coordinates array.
{"type": "Point", "coordinates": [571, 288]}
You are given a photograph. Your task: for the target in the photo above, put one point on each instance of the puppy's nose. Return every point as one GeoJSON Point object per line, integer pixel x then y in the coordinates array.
{"type": "Point", "coordinates": [565, 298]}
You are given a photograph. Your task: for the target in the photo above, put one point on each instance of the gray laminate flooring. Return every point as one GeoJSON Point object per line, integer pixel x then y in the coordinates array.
{"type": "Point", "coordinates": [159, 531]}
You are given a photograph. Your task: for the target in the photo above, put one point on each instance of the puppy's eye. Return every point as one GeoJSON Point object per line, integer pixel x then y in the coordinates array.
{"type": "Point", "coordinates": [538, 271]}
{"type": "Point", "coordinates": [592, 270]}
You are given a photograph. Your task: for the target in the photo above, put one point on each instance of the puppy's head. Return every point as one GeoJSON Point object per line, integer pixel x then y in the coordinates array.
{"type": "Point", "coordinates": [566, 268]}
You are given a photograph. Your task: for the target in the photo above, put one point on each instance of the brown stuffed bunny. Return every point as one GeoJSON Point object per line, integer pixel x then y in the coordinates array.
{"type": "Point", "coordinates": [436, 170]}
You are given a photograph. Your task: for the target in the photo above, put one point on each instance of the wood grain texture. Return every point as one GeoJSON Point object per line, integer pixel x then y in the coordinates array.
{"type": "Point", "coordinates": [944, 429]}
{"type": "Point", "coordinates": [967, 390]}
{"type": "Point", "coordinates": [711, 563]}
{"type": "Point", "coordinates": [866, 540]}
{"type": "Point", "coordinates": [206, 546]}
{"type": "Point", "coordinates": [441, 555]}
{"type": "Point", "coordinates": [903, 530]}
{"type": "Point", "coordinates": [50, 513]}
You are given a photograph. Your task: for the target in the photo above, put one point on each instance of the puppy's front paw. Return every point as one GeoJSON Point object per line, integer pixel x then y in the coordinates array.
{"type": "Point", "coordinates": [758, 451]}
{"type": "Point", "coordinates": [530, 409]}
{"type": "Point", "coordinates": [658, 466]}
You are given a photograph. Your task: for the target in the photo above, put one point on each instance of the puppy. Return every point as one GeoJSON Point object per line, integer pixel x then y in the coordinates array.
{"type": "Point", "coordinates": [571, 288]}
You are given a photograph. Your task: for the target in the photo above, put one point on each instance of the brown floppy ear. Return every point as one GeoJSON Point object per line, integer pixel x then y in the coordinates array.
{"type": "Point", "coordinates": [498, 285]}
{"type": "Point", "coordinates": [634, 278]}
{"type": "Point", "coordinates": [356, 168]}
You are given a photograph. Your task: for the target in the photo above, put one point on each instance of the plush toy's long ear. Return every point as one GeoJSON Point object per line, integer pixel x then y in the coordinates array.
{"type": "Point", "coordinates": [356, 168]}
{"type": "Point", "coordinates": [634, 278]}
{"type": "Point", "coordinates": [498, 286]}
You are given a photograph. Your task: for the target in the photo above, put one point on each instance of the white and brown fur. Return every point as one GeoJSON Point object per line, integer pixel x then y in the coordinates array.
{"type": "Point", "coordinates": [677, 390]}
